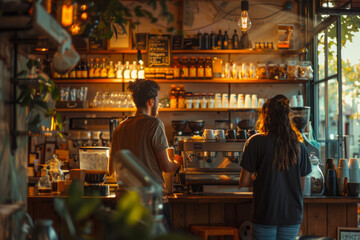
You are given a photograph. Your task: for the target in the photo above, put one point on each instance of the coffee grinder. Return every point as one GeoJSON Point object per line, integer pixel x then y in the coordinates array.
{"type": "Point", "coordinates": [300, 116]}
{"type": "Point", "coordinates": [179, 126]}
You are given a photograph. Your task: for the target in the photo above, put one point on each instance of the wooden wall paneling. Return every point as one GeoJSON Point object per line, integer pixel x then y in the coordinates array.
{"type": "Point", "coordinates": [230, 214]}
{"type": "Point", "coordinates": [217, 214]}
{"type": "Point", "coordinates": [303, 227]}
{"type": "Point", "coordinates": [352, 216]}
{"type": "Point", "coordinates": [197, 214]}
{"type": "Point", "coordinates": [178, 216]}
{"type": "Point", "coordinates": [336, 217]}
{"type": "Point", "coordinates": [317, 224]}
{"type": "Point", "coordinates": [243, 211]}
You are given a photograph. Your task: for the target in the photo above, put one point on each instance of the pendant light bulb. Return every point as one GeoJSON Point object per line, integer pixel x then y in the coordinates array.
{"type": "Point", "coordinates": [244, 22]}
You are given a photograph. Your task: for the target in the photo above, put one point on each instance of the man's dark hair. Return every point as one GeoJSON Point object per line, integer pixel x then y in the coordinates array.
{"type": "Point", "coordinates": [142, 91]}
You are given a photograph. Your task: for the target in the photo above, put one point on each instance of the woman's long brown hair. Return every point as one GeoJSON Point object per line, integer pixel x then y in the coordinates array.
{"type": "Point", "coordinates": [275, 118]}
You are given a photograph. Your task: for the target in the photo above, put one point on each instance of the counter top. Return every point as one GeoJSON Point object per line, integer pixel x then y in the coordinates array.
{"type": "Point", "coordinates": [247, 196]}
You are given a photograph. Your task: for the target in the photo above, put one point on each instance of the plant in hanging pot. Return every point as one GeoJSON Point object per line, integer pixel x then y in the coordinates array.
{"type": "Point", "coordinates": [39, 94]}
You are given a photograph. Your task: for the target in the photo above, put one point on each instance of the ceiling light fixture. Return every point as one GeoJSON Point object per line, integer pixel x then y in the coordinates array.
{"type": "Point", "coordinates": [244, 22]}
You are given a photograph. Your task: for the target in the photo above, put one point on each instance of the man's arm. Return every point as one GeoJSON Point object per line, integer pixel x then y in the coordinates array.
{"type": "Point", "coordinates": [166, 164]}
{"type": "Point", "coordinates": [246, 179]}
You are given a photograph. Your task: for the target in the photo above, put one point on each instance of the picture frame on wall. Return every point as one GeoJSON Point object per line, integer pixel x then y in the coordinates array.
{"type": "Point", "coordinates": [120, 38]}
{"type": "Point", "coordinates": [286, 36]}
{"type": "Point", "coordinates": [348, 233]}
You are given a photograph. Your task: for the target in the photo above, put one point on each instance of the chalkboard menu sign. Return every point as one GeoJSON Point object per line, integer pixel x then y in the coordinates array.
{"type": "Point", "coordinates": [159, 50]}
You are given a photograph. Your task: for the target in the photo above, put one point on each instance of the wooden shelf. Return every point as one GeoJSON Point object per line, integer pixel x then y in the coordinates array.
{"type": "Point", "coordinates": [190, 51]}
{"type": "Point", "coordinates": [235, 81]}
{"type": "Point", "coordinates": [242, 51]}
{"type": "Point", "coordinates": [160, 110]}
{"type": "Point", "coordinates": [125, 51]}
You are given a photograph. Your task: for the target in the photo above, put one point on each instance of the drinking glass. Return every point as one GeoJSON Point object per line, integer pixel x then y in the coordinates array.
{"type": "Point", "coordinates": [83, 93]}
{"type": "Point", "coordinates": [64, 93]}
{"type": "Point", "coordinates": [73, 94]}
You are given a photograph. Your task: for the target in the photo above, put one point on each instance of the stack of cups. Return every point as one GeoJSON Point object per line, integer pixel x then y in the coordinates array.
{"type": "Point", "coordinates": [354, 171]}
{"type": "Point", "coordinates": [342, 173]}
{"type": "Point", "coordinates": [240, 101]}
{"type": "Point", "coordinates": [254, 101]}
{"type": "Point", "coordinates": [233, 100]}
{"type": "Point", "coordinates": [247, 102]}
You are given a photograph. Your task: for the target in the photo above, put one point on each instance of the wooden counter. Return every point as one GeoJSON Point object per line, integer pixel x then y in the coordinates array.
{"type": "Point", "coordinates": [322, 215]}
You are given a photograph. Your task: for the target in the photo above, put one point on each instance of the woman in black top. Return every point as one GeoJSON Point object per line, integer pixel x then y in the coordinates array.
{"type": "Point", "coordinates": [275, 162]}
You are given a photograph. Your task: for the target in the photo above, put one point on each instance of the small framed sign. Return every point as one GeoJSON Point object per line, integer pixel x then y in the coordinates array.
{"type": "Point", "coordinates": [159, 50]}
{"type": "Point", "coordinates": [120, 39]}
{"type": "Point", "coordinates": [348, 233]}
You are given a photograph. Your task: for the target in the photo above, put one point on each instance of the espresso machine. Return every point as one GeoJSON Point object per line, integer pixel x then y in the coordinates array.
{"type": "Point", "coordinates": [210, 162]}
{"type": "Point", "coordinates": [300, 116]}
{"type": "Point", "coordinates": [180, 125]}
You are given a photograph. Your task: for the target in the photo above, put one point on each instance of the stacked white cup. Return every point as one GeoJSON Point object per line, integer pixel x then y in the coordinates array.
{"type": "Point", "coordinates": [342, 173]}
{"type": "Point", "coordinates": [354, 170]}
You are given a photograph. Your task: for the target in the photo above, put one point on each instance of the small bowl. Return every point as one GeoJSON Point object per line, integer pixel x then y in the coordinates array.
{"type": "Point", "coordinates": [353, 189]}
{"type": "Point", "coordinates": [95, 176]}
{"type": "Point", "coordinates": [178, 125]}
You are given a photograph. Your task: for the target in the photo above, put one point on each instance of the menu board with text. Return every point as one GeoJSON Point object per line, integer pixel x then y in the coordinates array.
{"type": "Point", "coordinates": [159, 50]}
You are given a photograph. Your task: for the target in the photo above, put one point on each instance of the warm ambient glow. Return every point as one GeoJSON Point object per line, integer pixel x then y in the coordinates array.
{"type": "Point", "coordinates": [84, 16]}
{"type": "Point", "coordinates": [41, 49]}
{"type": "Point", "coordinates": [244, 22]}
{"type": "Point", "coordinates": [67, 15]}
{"type": "Point", "coordinates": [75, 29]}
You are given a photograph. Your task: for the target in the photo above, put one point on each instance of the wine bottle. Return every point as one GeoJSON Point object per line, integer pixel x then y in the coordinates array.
{"type": "Point", "coordinates": [235, 40]}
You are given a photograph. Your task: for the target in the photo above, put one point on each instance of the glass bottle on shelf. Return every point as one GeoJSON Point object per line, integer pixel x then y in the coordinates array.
{"type": "Point", "coordinates": [210, 100]}
{"type": "Point", "coordinates": [192, 68]}
{"type": "Point", "coordinates": [97, 68]}
{"type": "Point", "coordinates": [317, 177]}
{"type": "Point", "coordinates": [173, 97]}
{"type": "Point", "coordinates": [55, 169]}
{"type": "Point", "coordinates": [212, 40]}
{"type": "Point", "coordinates": [127, 71]}
{"type": "Point", "coordinates": [235, 41]}
{"type": "Point", "coordinates": [181, 97]}
{"type": "Point", "coordinates": [219, 40]}
{"type": "Point", "coordinates": [176, 67]}
{"type": "Point", "coordinates": [200, 68]}
{"type": "Point", "coordinates": [134, 71]}
{"type": "Point", "coordinates": [78, 70]}
{"type": "Point", "coordinates": [92, 68]}
{"type": "Point", "coordinates": [208, 68]}
{"type": "Point", "coordinates": [72, 74]}
{"type": "Point", "coordinates": [203, 100]}
{"type": "Point", "coordinates": [184, 68]}
{"type": "Point", "coordinates": [226, 40]}
{"type": "Point", "coordinates": [206, 41]}
{"type": "Point", "coordinates": [84, 72]}
{"type": "Point", "coordinates": [111, 72]}
{"type": "Point", "coordinates": [119, 70]}
{"type": "Point", "coordinates": [141, 72]}
{"type": "Point", "coordinates": [200, 41]}
{"type": "Point", "coordinates": [104, 70]}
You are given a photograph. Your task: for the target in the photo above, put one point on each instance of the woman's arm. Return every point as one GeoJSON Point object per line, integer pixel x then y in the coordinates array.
{"type": "Point", "coordinates": [246, 179]}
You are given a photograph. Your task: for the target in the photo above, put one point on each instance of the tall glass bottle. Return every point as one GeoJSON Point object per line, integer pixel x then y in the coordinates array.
{"type": "Point", "coordinates": [219, 40]}
{"type": "Point", "coordinates": [200, 72]}
{"type": "Point", "coordinates": [206, 41]}
{"type": "Point", "coordinates": [119, 70]}
{"type": "Point", "coordinates": [200, 41]}
{"type": "Point", "coordinates": [134, 71]}
{"type": "Point", "coordinates": [192, 68]}
{"type": "Point", "coordinates": [78, 70]}
{"type": "Point", "coordinates": [184, 68]}
{"type": "Point", "coordinates": [127, 71]}
{"type": "Point", "coordinates": [226, 41]}
{"type": "Point", "coordinates": [213, 42]}
{"type": "Point", "coordinates": [111, 72]}
{"type": "Point", "coordinates": [92, 68]}
{"type": "Point", "coordinates": [208, 68]}
{"type": "Point", "coordinates": [84, 72]}
{"type": "Point", "coordinates": [97, 68]}
{"type": "Point", "coordinates": [176, 67]}
{"type": "Point", "coordinates": [235, 40]}
{"type": "Point", "coordinates": [104, 70]}
{"type": "Point", "coordinates": [141, 72]}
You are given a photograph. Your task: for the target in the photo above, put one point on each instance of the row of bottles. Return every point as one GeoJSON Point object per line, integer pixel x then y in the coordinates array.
{"type": "Point", "coordinates": [104, 70]}
{"type": "Point", "coordinates": [218, 41]}
{"type": "Point", "coordinates": [194, 69]}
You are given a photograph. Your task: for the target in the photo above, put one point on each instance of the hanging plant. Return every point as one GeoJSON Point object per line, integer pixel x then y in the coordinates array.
{"type": "Point", "coordinates": [102, 16]}
{"type": "Point", "coordinates": [40, 96]}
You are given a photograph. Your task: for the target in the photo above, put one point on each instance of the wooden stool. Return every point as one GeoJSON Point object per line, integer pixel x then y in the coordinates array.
{"type": "Point", "coordinates": [204, 231]}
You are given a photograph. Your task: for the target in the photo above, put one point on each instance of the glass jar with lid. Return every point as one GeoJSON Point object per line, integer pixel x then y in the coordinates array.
{"type": "Point", "coordinates": [181, 96]}
{"type": "Point", "coordinates": [173, 97]}
{"type": "Point", "coordinates": [184, 73]}
{"type": "Point", "coordinates": [176, 67]}
{"type": "Point", "coordinates": [317, 177]}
